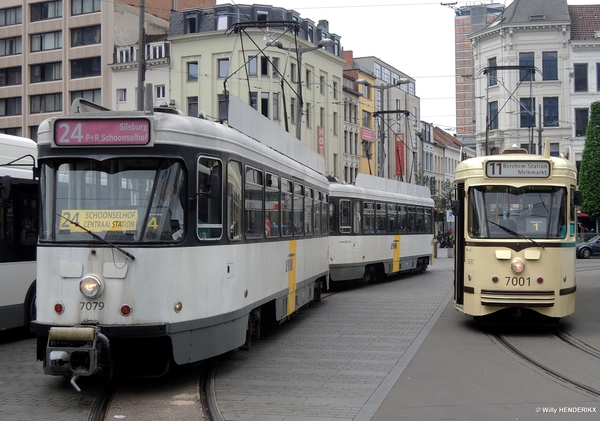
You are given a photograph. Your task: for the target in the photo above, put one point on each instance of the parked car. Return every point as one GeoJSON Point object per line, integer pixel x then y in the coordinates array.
{"type": "Point", "coordinates": [588, 248]}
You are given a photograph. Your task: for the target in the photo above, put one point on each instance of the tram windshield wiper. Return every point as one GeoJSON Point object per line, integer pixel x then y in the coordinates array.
{"type": "Point", "coordinates": [516, 234]}
{"type": "Point", "coordinates": [97, 237]}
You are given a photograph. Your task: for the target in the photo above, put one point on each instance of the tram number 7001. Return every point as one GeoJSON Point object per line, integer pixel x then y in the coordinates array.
{"type": "Point", "coordinates": [518, 281]}
{"type": "Point", "coordinates": [96, 305]}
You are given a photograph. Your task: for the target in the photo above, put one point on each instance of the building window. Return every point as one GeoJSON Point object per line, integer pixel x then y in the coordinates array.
{"type": "Point", "coordinates": [46, 41]}
{"type": "Point", "coordinates": [190, 24]}
{"type": "Point", "coordinates": [11, 16]}
{"type": "Point", "coordinates": [10, 106]}
{"type": "Point", "coordinates": [293, 75]}
{"type": "Point", "coordinates": [581, 121]}
{"type": "Point", "coordinates": [17, 131]}
{"type": "Point", "coordinates": [551, 112]}
{"type": "Point", "coordinates": [366, 119]}
{"type": "Point", "coordinates": [46, 72]}
{"type": "Point", "coordinates": [222, 107]}
{"type": "Point", "coordinates": [86, 67]}
{"type": "Point", "coordinates": [126, 54]}
{"type": "Point", "coordinates": [526, 59]}
{"type": "Point", "coordinates": [92, 95]}
{"type": "Point", "coordinates": [254, 100]}
{"type": "Point", "coordinates": [335, 90]}
{"type": "Point", "coordinates": [155, 51]}
{"type": "Point", "coordinates": [275, 62]}
{"type": "Point", "coordinates": [10, 46]}
{"type": "Point", "coordinates": [493, 115]}
{"type": "Point", "coordinates": [492, 72]}
{"type": "Point", "coordinates": [46, 10]}
{"type": "Point", "coordinates": [365, 91]}
{"type": "Point", "coordinates": [81, 7]}
{"type": "Point", "coordinates": [550, 65]}
{"type": "Point", "coordinates": [160, 91]}
{"type": "Point", "coordinates": [264, 104]}
{"type": "Point", "coordinates": [253, 66]}
{"type": "Point", "coordinates": [275, 106]}
{"type": "Point", "coordinates": [222, 22]}
{"type": "Point", "coordinates": [192, 103]}
{"type": "Point", "coordinates": [581, 77]}
{"type": "Point", "coordinates": [322, 85]}
{"type": "Point", "coordinates": [264, 66]}
{"type": "Point", "coordinates": [45, 103]}
{"type": "Point", "coordinates": [121, 95]}
{"type": "Point", "coordinates": [335, 118]}
{"type": "Point", "coordinates": [192, 71]}
{"type": "Point", "coordinates": [89, 35]}
{"type": "Point", "coordinates": [308, 119]}
{"type": "Point", "coordinates": [11, 76]}
{"type": "Point", "coordinates": [223, 64]}
{"type": "Point", "coordinates": [527, 110]}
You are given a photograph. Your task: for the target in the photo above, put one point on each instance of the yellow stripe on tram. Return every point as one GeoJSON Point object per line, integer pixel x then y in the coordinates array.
{"type": "Point", "coordinates": [291, 269]}
{"type": "Point", "coordinates": [396, 259]}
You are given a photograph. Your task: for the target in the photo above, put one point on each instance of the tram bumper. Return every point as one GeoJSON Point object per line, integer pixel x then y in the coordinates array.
{"type": "Point", "coordinates": [75, 351]}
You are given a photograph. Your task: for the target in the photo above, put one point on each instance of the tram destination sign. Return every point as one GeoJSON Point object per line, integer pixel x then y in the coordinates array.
{"type": "Point", "coordinates": [102, 132]}
{"type": "Point", "coordinates": [517, 169]}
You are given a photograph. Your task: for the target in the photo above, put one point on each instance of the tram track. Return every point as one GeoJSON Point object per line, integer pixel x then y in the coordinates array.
{"type": "Point", "coordinates": [527, 355]}
{"type": "Point", "coordinates": [101, 403]}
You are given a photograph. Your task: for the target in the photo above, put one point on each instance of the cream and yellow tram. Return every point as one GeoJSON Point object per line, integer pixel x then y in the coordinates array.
{"type": "Point", "coordinates": [515, 234]}
{"type": "Point", "coordinates": [166, 237]}
{"type": "Point", "coordinates": [378, 227]}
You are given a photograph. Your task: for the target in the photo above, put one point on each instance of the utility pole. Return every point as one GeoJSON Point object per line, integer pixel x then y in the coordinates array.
{"type": "Point", "coordinates": [141, 61]}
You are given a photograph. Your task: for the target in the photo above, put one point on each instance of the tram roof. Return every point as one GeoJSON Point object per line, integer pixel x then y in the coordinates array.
{"type": "Point", "coordinates": [14, 147]}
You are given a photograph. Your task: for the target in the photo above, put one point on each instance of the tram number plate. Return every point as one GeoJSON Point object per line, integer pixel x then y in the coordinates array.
{"type": "Point", "coordinates": [89, 305]}
{"type": "Point", "coordinates": [518, 281]}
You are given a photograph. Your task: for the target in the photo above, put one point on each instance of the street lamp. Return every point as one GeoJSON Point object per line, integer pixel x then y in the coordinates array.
{"type": "Point", "coordinates": [381, 89]}
{"type": "Point", "coordinates": [299, 51]}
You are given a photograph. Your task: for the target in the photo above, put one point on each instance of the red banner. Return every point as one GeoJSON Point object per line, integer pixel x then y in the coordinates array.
{"type": "Point", "coordinates": [399, 140]}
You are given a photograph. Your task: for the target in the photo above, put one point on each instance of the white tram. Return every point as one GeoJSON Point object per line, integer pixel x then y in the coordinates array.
{"type": "Point", "coordinates": [378, 227]}
{"type": "Point", "coordinates": [18, 230]}
{"type": "Point", "coordinates": [515, 235]}
{"type": "Point", "coordinates": [170, 236]}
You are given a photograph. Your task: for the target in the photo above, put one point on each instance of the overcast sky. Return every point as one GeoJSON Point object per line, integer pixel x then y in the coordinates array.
{"type": "Point", "coordinates": [414, 36]}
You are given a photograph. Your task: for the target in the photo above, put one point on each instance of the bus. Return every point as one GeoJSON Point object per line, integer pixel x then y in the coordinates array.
{"type": "Point", "coordinates": [515, 235]}
{"type": "Point", "coordinates": [18, 231]}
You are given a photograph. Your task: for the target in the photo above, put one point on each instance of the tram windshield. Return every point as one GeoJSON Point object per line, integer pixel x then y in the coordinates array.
{"type": "Point", "coordinates": [118, 200]}
{"type": "Point", "coordinates": [509, 212]}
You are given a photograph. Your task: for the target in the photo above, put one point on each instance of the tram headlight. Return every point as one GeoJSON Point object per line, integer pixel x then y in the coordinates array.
{"type": "Point", "coordinates": [91, 287]}
{"type": "Point", "coordinates": [517, 265]}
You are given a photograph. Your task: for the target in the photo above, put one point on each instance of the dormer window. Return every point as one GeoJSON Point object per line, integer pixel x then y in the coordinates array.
{"type": "Point", "coordinates": [537, 17]}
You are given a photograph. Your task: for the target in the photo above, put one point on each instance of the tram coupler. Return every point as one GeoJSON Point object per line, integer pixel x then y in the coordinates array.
{"type": "Point", "coordinates": [76, 351]}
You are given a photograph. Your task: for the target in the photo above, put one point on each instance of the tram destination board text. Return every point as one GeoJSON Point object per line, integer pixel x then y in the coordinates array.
{"type": "Point", "coordinates": [517, 169]}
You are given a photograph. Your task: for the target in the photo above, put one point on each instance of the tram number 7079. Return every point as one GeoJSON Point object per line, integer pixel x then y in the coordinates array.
{"type": "Point", "coordinates": [89, 305]}
{"type": "Point", "coordinates": [518, 281]}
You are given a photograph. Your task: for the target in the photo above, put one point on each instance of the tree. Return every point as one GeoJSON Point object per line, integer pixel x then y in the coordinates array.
{"type": "Point", "coordinates": [443, 200]}
{"type": "Point", "coordinates": [589, 170]}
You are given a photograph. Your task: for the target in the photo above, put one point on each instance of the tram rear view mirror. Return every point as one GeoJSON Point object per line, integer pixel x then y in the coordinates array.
{"type": "Point", "coordinates": [5, 187]}
{"type": "Point", "coordinates": [213, 186]}
{"type": "Point", "coordinates": [577, 198]}
{"type": "Point", "coordinates": [455, 207]}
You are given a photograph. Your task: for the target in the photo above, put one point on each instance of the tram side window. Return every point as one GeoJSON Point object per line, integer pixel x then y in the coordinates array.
{"type": "Point", "coordinates": [572, 221]}
{"type": "Point", "coordinates": [332, 218]}
{"type": "Point", "coordinates": [210, 225]}
{"type": "Point", "coordinates": [317, 212]}
{"type": "Point", "coordinates": [392, 214]}
{"type": "Point", "coordinates": [369, 218]}
{"type": "Point", "coordinates": [287, 193]}
{"type": "Point", "coordinates": [428, 221]}
{"type": "Point", "coordinates": [324, 220]}
{"type": "Point", "coordinates": [420, 225]}
{"type": "Point", "coordinates": [308, 210]}
{"type": "Point", "coordinates": [402, 219]}
{"type": "Point", "coordinates": [411, 219]}
{"type": "Point", "coordinates": [18, 224]}
{"type": "Point", "coordinates": [381, 218]}
{"type": "Point", "coordinates": [298, 209]}
{"type": "Point", "coordinates": [357, 217]}
{"type": "Point", "coordinates": [234, 200]}
{"type": "Point", "coordinates": [345, 217]}
{"type": "Point", "coordinates": [253, 203]}
{"type": "Point", "coordinates": [272, 205]}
